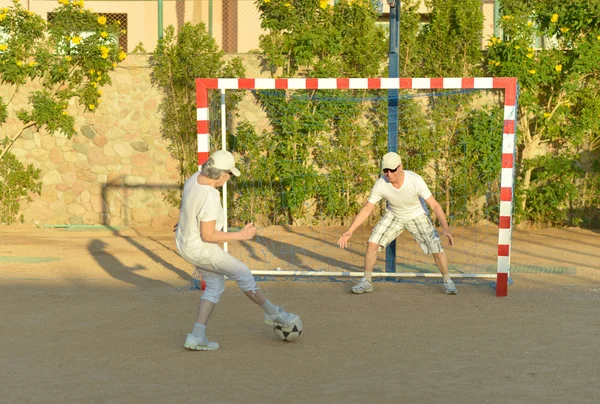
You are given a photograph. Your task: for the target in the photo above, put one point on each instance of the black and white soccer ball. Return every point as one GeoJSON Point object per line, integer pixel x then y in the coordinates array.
{"type": "Point", "coordinates": [289, 333]}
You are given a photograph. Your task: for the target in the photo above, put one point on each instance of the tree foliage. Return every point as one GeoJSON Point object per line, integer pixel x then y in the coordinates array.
{"type": "Point", "coordinates": [64, 59]}
{"type": "Point", "coordinates": [553, 48]}
{"type": "Point", "coordinates": [312, 134]}
{"type": "Point", "coordinates": [178, 60]}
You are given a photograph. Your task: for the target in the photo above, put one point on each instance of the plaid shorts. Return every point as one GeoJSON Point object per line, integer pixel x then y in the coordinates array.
{"type": "Point", "coordinates": [421, 228]}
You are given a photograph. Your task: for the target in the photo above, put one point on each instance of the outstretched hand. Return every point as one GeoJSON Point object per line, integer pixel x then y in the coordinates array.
{"type": "Point", "coordinates": [449, 235]}
{"type": "Point", "coordinates": [248, 232]}
{"type": "Point", "coordinates": [343, 241]}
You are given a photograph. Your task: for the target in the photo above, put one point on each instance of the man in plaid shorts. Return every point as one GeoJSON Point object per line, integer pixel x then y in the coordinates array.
{"type": "Point", "coordinates": [404, 192]}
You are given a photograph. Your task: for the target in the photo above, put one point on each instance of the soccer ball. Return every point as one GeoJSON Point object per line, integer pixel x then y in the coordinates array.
{"type": "Point", "coordinates": [289, 333]}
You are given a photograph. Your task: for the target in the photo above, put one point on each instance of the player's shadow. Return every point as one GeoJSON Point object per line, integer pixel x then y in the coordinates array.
{"type": "Point", "coordinates": [295, 255]}
{"type": "Point", "coordinates": [115, 268]}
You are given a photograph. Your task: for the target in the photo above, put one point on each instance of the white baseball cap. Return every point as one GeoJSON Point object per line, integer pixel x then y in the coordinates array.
{"type": "Point", "coordinates": [390, 160]}
{"type": "Point", "coordinates": [224, 160]}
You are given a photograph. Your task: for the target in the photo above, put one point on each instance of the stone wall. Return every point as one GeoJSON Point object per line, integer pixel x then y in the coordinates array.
{"type": "Point", "coordinates": [116, 168]}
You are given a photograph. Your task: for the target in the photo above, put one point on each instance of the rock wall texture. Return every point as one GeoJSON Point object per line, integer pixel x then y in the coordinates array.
{"type": "Point", "coordinates": [115, 170]}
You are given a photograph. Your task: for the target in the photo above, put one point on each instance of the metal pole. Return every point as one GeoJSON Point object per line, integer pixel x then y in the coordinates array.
{"type": "Point", "coordinates": [160, 19]}
{"type": "Point", "coordinates": [224, 147]}
{"type": "Point", "coordinates": [210, 18]}
{"type": "Point", "coordinates": [497, 31]}
{"type": "Point", "coordinates": [394, 71]}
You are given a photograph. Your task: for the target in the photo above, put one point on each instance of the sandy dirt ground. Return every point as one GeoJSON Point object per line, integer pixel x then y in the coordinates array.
{"type": "Point", "coordinates": [100, 316]}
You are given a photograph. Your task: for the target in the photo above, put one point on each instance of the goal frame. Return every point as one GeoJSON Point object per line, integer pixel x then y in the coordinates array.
{"type": "Point", "coordinates": [507, 84]}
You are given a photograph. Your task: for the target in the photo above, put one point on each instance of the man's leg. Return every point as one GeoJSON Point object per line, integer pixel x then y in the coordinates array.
{"type": "Point", "coordinates": [370, 259]}
{"type": "Point", "coordinates": [442, 263]}
{"type": "Point", "coordinates": [425, 234]}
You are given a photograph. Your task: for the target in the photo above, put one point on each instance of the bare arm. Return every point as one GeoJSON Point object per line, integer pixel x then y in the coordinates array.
{"type": "Point", "coordinates": [364, 213]}
{"type": "Point", "coordinates": [210, 235]}
{"type": "Point", "coordinates": [439, 213]}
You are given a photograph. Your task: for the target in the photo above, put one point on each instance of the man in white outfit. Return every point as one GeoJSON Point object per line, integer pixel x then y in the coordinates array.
{"type": "Point", "coordinates": [404, 192]}
{"type": "Point", "coordinates": [198, 233]}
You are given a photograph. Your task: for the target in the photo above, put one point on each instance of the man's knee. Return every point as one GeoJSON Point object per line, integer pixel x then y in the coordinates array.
{"type": "Point", "coordinates": [372, 248]}
{"type": "Point", "coordinates": [214, 289]}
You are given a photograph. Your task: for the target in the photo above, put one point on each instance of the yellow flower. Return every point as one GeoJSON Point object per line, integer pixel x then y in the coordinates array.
{"type": "Point", "coordinates": [91, 106]}
{"type": "Point", "coordinates": [598, 37]}
{"type": "Point", "coordinates": [507, 17]}
{"type": "Point", "coordinates": [99, 92]}
{"type": "Point", "coordinates": [19, 63]}
{"type": "Point", "coordinates": [3, 47]}
{"type": "Point", "coordinates": [92, 71]}
{"type": "Point", "coordinates": [490, 43]}
{"type": "Point", "coordinates": [529, 55]}
{"type": "Point", "coordinates": [104, 55]}
{"type": "Point", "coordinates": [94, 84]}
{"type": "Point", "coordinates": [287, 5]}
{"type": "Point", "coordinates": [529, 23]}
{"type": "Point", "coordinates": [517, 47]}
{"type": "Point", "coordinates": [68, 58]}
{"type": "Point", "coordinates": [76, 40]}
{"type": "Point", "coordinates": [65, 113]}
{"type": "Point", "coordinates": [532, 71]}
{"type": "Point", "coordinates": [103, 34]}
{"type": "Point", "coordinates": [564, 30]}
{"type": "Point", "coordinates": [123, 31]}
{"type": "Point", "coordinates": [546, 114]}
{"type": "Point", "coordinates": [267, 1]}
{"type": "Point", "coordinates": [2, 17]}
{"type": "Point", "coordinates": [65, 2]}
{"type": "Point", "coordinates": [118, 22]}
{"type": "Point", "coordinates": [122, 55]}
{"type": "Point", "coordinates": [114, 64]}
{"type": "Point", "coordinates": [323, 4]}
{"type": "Point", "coordinates": [497, 63]}
{"type": "Point", "coordinates": [102, 20]}
{"type": "Point", "coordinates": [558, 68]}
{"type": "Point", "coordinates": [554, 18]}
{"type": "Point", "coordinates": [31, 64]}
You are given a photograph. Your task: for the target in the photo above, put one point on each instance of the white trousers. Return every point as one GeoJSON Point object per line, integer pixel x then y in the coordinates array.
{"type": "Point", "coordinates": [214, 273]}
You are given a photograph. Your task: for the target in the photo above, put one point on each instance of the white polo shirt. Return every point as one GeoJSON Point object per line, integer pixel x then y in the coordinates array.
{"type": "Point", "coordinates": [404, 202]}
{"type": "Point", "coordinates": [199, 203]}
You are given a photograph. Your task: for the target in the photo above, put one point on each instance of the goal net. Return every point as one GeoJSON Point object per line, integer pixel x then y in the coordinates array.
{"type": "Point", "coordinates": [309, 152]}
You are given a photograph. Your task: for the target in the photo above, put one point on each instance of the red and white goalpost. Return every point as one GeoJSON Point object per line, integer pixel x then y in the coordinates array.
{"type": "Point", "coordinates": [508, 85]}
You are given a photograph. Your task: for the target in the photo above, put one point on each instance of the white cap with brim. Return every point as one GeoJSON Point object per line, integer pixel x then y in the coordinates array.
{"type": "Point", "coordinates": [390, 160]}
{"type": "Point", "coordinates": [224, 160]}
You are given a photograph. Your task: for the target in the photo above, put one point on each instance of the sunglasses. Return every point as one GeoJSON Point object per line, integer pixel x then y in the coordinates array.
{"type": "Point", "coordinates": [389, 170]}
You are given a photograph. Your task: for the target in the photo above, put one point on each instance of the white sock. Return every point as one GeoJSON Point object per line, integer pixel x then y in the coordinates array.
{"type": "Point", "coordinates": [199, 331]}
{"type": "Point", "coordinates": [269, 307]}
{"type": "Point", "coordinates": [446, 278]}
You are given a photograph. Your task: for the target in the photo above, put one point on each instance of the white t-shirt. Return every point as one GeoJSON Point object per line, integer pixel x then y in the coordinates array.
{"type": "Point", "coordinates": [404, 202]}
{"type": "Point", "coordinates": [199, 203]}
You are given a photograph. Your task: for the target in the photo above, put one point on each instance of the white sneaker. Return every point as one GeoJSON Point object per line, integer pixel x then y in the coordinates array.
{"type": "Point", "coordinates": [200, 344]}
{"type": "Point", "coordinates": [281, 318]}
{"type": "Point", "coordinates": [364, 286]}
{"type": "Point", "coordinates": [450, 288]}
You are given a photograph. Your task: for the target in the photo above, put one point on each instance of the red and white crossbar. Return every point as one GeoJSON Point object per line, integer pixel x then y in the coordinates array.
{"type": "Point", "coordinates": [508, 84]}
